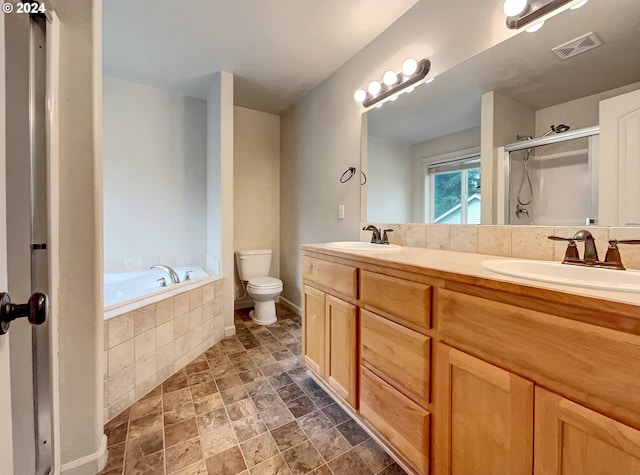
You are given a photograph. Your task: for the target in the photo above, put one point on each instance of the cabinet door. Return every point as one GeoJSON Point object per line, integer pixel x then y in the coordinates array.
{"type": "Point", "coordinates": [484, 417]}
{"type": "Point", "coordinates": [573, 440]}
{"type": "Point", "coordinates": [341, 364]}
{"type": "Point", "coordinates": [313, 330]}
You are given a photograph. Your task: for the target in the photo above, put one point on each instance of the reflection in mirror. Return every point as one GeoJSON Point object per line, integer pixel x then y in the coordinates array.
{"type": "Point", "coordinates": [432, 155]}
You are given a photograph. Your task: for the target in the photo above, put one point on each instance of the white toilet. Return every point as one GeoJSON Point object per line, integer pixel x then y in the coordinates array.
{"type": "Point", "coordinates": [253, 268]}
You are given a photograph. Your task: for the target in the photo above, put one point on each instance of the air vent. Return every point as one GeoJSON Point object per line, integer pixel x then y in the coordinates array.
{"type": "Point", "coordinates": [577, 46]}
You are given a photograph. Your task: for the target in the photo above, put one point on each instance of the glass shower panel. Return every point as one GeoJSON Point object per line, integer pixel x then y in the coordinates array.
{"type": "Point", "coordinates": [553, 184]}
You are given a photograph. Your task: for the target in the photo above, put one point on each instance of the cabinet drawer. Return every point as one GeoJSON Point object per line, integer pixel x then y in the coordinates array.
{"type": "Point", "coordinates": [404, 299]}
{"type": "Point", "coordinates": [398, 355]}
{"type": "Point", "coordinates": [340, 278]}
{"type": "Point", "coordinates": [398, 419]}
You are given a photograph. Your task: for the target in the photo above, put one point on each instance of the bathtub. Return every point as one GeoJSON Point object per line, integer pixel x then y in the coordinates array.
{"type": "Point", "coordinates": [128, 291]}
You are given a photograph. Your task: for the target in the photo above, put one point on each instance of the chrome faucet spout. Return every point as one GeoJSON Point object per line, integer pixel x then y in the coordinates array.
{"type": "Point", "coordinates": [173, 274]}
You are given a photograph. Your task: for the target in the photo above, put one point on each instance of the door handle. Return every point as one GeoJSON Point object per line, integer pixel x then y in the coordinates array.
{"type": "Point", "coordinates": [35, 310]}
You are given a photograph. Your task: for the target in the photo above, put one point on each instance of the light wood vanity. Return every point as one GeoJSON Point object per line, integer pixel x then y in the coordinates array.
{"type": "Point", "coordinates": [460, 371]}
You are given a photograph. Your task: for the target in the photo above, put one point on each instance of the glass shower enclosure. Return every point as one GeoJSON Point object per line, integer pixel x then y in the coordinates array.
{"type": "Point", "coordinates": [552, 180]}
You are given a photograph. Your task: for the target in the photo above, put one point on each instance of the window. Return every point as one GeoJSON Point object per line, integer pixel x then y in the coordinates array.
{"type": "Point", "coordinates": [452, 188]}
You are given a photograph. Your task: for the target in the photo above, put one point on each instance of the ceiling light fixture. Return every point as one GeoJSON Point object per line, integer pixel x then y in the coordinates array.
{"type": "Point", "coordinates": [394, 83]}
{"type": "Point", "coordinates": [521, 13]}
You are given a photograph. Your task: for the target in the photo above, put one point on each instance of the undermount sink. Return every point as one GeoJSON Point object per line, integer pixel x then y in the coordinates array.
{"type": "Point", "coordinates": [564, 274]}
{"type": "Point", "coordinates": [361, 246]}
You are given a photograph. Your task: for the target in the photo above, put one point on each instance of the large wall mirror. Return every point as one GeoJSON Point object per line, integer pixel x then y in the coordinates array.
{"type": "Point", "coordinates": [434, 155]}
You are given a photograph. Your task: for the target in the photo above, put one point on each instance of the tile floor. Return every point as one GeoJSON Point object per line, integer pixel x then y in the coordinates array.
{"type": "Point", "coordinates": [246, 406]}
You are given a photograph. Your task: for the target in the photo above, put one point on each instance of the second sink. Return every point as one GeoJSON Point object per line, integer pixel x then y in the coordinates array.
{"type": "Point", "coordinates": [576, 276]}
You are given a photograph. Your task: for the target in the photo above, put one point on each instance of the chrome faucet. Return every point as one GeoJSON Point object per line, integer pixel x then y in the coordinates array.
{"type": "Point", "coordinates": [174, 276]}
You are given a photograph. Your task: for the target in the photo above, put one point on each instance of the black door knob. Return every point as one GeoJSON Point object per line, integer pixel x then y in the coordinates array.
{"type": "Point", "coordinates": [35, 310]}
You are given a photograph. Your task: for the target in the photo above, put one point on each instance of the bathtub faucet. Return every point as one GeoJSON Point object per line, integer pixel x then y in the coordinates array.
{"type": "Point", "coordinates": [174, 276]}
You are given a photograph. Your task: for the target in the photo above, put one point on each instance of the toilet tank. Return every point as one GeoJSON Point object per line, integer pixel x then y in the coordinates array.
{"type": "Point", "coordinates": [253, 263]}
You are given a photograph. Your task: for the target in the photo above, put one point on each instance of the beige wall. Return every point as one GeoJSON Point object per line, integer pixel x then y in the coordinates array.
{"type": "Point", "coordinates": [155, 187]}
{"type": "Point", "coordinates": [503, 119]}
{"type": "Point", "coordinates": [578, 113]}
{"type": "Point", "coordinates": [220, 188]}
{"type": "Point", "coordinates": [390, 185]}
{"type": "Point", "coordinates": [80, 224]}
{"type": "Point", "coordinates": [321, 133]}
{"type": "Point", "coordinates": [256, 185]}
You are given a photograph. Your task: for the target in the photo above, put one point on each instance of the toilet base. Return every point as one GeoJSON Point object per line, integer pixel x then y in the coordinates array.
{"type": "Point", "coordinates": [264, 313]}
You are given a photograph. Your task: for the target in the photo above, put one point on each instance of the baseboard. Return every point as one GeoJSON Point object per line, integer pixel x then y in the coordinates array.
{"type": "Point", "coordinates": [230, 330]}
{"type": "Point", "coordinates": [291, 305]}
{"type": "Point", "coordinates": [89, 464]}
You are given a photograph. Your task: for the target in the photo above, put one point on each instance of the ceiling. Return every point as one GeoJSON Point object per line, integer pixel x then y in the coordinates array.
{"type": "Point", "coordinates": [524, 69]}
{"type": "Point", "coordinates": [278, 50]}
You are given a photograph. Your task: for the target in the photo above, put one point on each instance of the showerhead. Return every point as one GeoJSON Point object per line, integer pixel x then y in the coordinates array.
{"type": "Point", "coordinates": [556, 129]}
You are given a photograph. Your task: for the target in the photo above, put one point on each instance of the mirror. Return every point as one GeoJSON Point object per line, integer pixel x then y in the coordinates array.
{"type": "Point", "coordinates": [445, 119]}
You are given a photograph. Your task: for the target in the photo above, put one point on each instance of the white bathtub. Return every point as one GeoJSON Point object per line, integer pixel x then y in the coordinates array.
{"type": "Point", "coordinates": [127, 291]}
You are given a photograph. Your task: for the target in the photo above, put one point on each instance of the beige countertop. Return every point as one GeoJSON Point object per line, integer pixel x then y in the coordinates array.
{"type": "Point", "coordinates": [449, 264]}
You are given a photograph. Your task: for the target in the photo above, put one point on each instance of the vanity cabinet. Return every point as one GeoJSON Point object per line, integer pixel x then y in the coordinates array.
{"type": "Point", "coordinates": [329, 322]}
{"type": "Point", "coordinates": [460, 374]}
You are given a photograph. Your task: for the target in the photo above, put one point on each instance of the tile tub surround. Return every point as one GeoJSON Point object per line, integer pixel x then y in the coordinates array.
{"type": "Point", "coordinates": [525, 242]}
{"type": "Point", "coordinates": [245, 406]}
{"type": "Point", "coordinates": [144, 347]}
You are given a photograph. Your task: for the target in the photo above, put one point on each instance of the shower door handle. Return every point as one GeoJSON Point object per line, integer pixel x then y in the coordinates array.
{"type": "Point", "coordinates": [35, 310]}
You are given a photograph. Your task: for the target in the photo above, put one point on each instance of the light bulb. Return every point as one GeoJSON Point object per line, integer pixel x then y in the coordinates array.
{"type": "Point", "coordinates": [428, 80]}
{"type": "Point", "coordinates": [514, 7]}
{"type": "Point", "coordinates": [393, 98]}
{"type": "Point", "coordinates": [374, 88]}
{"type": "Point", "coordinates": [535, 27]}
{"type": "Point", "coordinates": [360, 96]}
{"type": "Point", "coordinates": [390, 78]}
{"type": "Point", "coordinates": [409, 89]}
{"type": "Point", "coordinates": [409, 66]}
{"type": "Point", "coordinates": [378, 106]}
{"type": "Point", "coordinates": [578, 5]}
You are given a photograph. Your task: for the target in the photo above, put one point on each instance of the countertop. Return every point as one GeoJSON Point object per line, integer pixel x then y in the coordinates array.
{"type": "Point", "coordinates": [452, 265]}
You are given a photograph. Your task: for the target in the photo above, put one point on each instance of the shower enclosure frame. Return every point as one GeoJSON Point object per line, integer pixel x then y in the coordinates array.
{"type": "Point", "coordinates": [504, 171]}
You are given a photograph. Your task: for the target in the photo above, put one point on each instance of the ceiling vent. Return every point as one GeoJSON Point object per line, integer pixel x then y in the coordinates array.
{"type": "Point", "coordinates": [577, 46]}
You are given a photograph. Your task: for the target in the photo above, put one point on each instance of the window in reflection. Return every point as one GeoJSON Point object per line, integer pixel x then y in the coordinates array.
{"type": "Point", "coordinates": [452, 191]}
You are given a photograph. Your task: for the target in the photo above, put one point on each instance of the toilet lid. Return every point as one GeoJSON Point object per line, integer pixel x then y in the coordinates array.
{"type": "Point", "coordinates": [265, 282]}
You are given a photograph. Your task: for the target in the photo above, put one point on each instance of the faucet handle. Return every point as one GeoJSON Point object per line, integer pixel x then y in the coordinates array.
{"type": "Point", "coordinates": [571, 254]}
{"type": "Point", "coordinates": [613, 254]}
{"type": "Point", "coordinates": [163, 281]}
{"type": "Point", "coordinates": [187, 275]}
{"type": "Point", "coordinates": [385, 238]}
{"type": "Point", "coordinates": [560, 238]}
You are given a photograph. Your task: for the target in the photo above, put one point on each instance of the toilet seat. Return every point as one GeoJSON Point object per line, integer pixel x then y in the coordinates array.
{"type": "Point", "coordinates": [264, 284]}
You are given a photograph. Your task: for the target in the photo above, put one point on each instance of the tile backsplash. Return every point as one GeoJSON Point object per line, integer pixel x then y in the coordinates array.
{"type": "Point", "coordinates": [527, 242]}
{"type": "Point", "coordinates": [138, 263]}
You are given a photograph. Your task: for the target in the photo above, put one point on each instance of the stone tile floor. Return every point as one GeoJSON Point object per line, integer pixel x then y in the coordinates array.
{"type": "Point", "coordinates": [246, 406]}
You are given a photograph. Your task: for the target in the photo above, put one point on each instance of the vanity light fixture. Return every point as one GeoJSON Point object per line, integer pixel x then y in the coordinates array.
{"type": "Point", "coordinates": [524, 12]}
{"type": "Point", "coordinates": [393, 84]}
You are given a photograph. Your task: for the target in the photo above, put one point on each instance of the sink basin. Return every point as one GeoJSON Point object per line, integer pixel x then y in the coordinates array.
{"type": "Point", "coordinates": [361, 246]}
{"type": "Point", "coordinates": [576, 276]}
